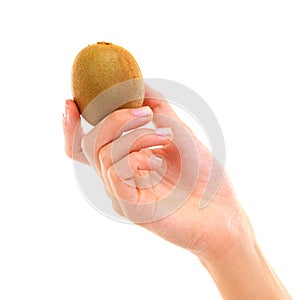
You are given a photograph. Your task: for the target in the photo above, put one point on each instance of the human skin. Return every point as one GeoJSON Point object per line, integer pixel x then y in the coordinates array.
{"type": "Point", "coordinates": [220, 234]}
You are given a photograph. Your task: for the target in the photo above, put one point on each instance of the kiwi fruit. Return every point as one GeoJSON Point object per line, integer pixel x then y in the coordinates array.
{"type": "Point", "coordinates": [105, 77]}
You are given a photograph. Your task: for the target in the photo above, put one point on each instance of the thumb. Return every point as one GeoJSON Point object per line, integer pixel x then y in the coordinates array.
{"type": "Point", "coordinates": [73, 132]}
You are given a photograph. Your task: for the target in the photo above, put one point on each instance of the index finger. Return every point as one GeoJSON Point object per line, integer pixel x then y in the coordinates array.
{"type": "Point", "coordinates": [112, 127]}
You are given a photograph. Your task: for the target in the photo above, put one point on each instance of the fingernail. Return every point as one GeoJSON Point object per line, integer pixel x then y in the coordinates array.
{"type": "Point", "coordinates": [155, 162]}
{"type": "Point", "coordinates": [164, 131]}
{"type": "Point", "coordinates": [66, 111]}
{"type": "Point", "coordinates": [143, 111]}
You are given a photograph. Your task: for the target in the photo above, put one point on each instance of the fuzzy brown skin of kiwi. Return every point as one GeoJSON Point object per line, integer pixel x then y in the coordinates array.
{"type": "Point", "coordinates": [100, 67]}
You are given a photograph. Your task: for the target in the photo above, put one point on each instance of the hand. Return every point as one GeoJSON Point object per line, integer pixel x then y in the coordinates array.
{"type": "Point", "coordinates": [181, 167]}
{"type": "Point", "coordinates": [157, 177]}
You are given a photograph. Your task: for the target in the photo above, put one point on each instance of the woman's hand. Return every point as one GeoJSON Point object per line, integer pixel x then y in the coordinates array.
{"type": "Point", "coordinates": [156, 177]}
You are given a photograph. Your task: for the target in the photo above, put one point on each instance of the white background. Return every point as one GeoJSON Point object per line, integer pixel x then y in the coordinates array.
{"type": "Point", "coordinates": [242, 57]}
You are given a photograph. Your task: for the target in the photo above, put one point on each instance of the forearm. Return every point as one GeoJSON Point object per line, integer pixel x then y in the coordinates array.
{"type": "Point", "coordinates": [244, 273]}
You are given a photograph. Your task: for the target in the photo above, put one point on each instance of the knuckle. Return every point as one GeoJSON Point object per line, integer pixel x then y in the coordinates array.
{"type": "Point", "coordinates": [135, 157]}
{"type": "Point", "coordinates": [116, 117]}
{"type": "Point", "coordinates": [103, 157]}
{"type": "Point", "coordinates": [69, 153]}
{"type": "Point", "coordinates": [146, 152]}
{"type": "Point", "coordinates": [111, 173]}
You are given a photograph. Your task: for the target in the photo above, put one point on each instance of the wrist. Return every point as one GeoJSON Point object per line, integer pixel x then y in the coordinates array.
{"type": "Point", "coordinates": [242, 272]}
{"type": "Point", "coordinates": [228, 239]}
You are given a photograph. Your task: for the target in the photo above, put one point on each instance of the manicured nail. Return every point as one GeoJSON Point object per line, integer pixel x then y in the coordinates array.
{"type": "Point", "coordinates": [143, 111]}
{"type": "Point", "coordinates": [164, 131]}
{"type": "Point", "coordinates": [155, 162]}
{"type": "Point", "coordinates": [66, 111]}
